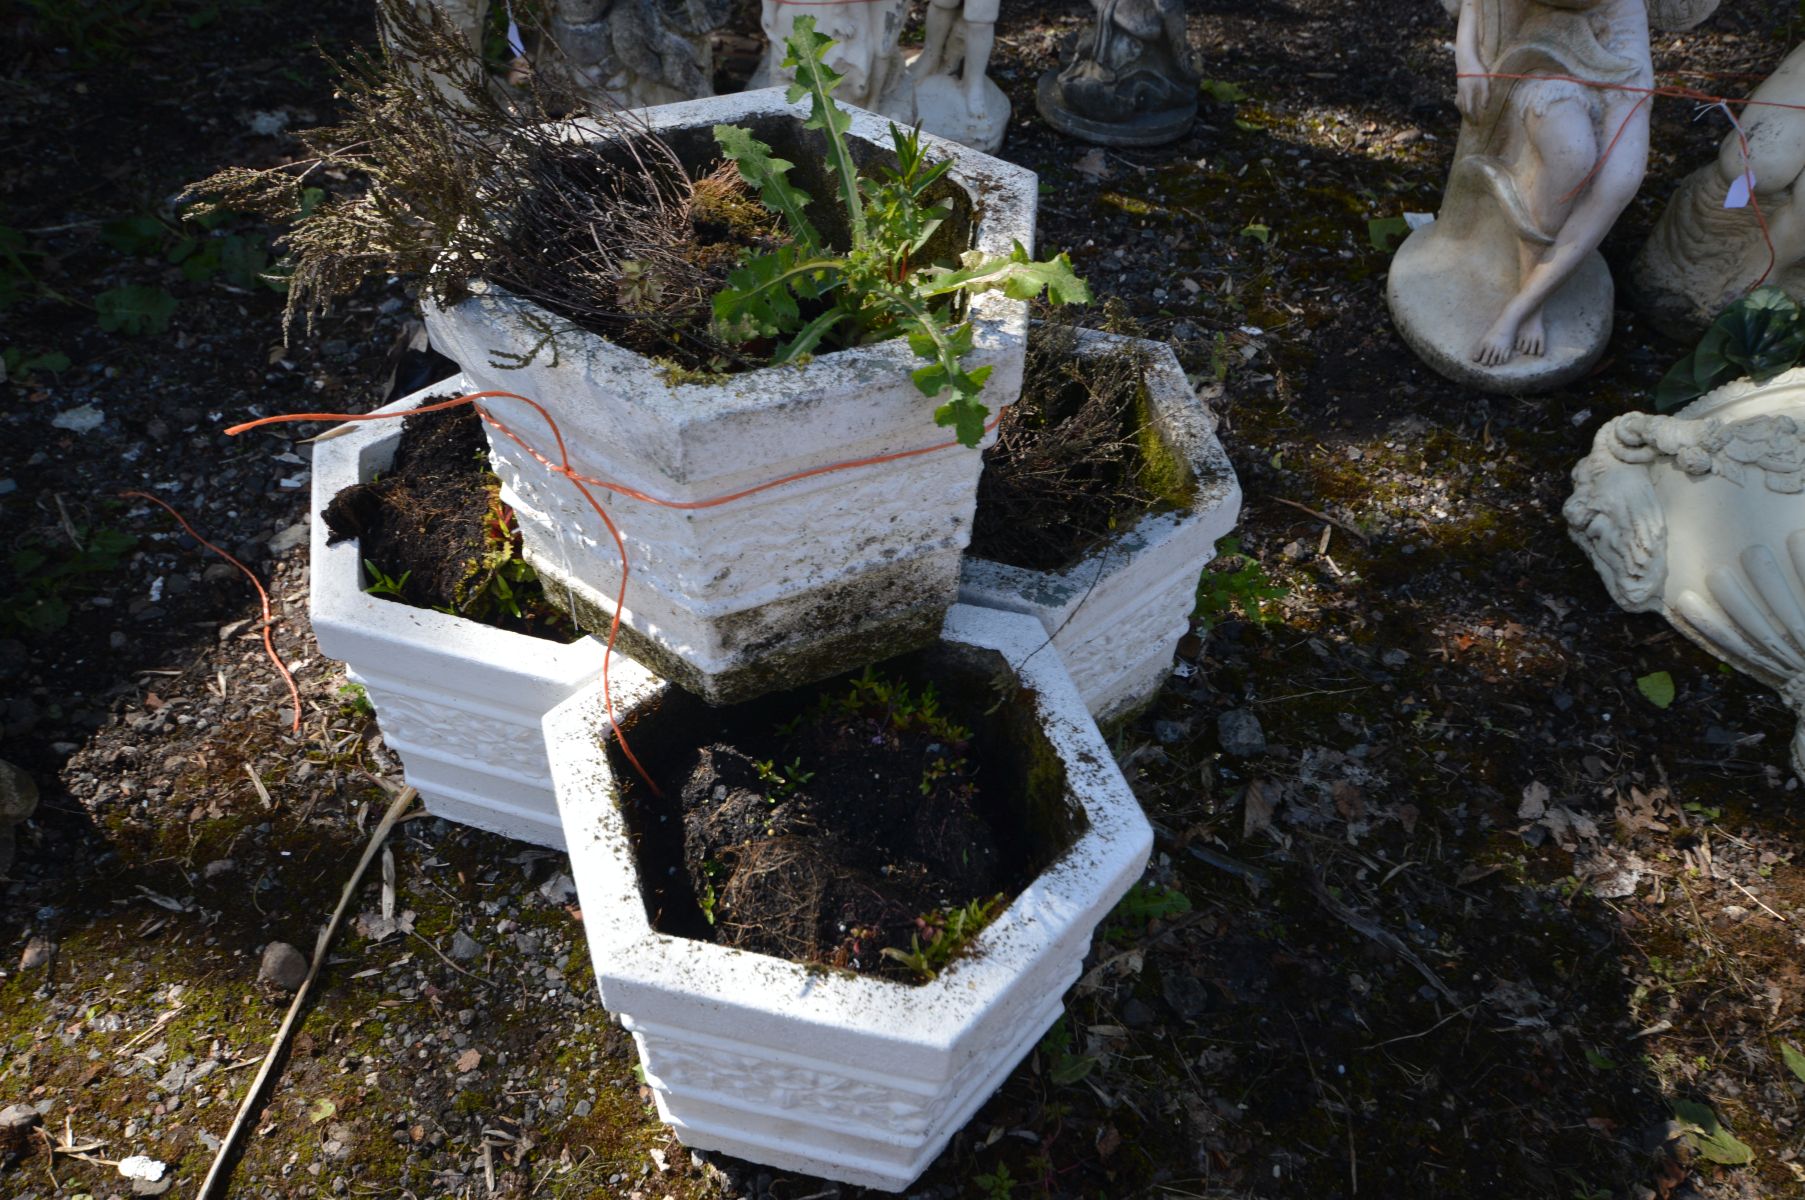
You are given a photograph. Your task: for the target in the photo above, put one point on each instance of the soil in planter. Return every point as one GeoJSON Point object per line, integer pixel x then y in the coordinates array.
{"type": "Point", "coordinates": [1076, 458]}
{"type": "Point", "coordinates": [432, 530]}
{"type": "Point", "coordinates": [837, 823]}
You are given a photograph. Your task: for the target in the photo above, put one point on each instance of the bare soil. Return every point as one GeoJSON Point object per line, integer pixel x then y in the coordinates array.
{"type": "Point", "coordinates": [1471, 924]}
{"type": "Point", "coordinates": [435, 528]}
{"type": "Point", "coordinates": [825, 828]}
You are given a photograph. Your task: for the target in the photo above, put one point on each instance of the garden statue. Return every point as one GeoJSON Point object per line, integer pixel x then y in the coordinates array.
{"type": "Point", "coordinates": [632, 53]}
{"type": "Point", "coordinates": [969, 109]}
{"type": "Point", "coordinates": [1700, 516]}
{"type": "Point", "coordinates": [866, 49]}
{"type": "Point", "coordinates": [1505, 291]}
{"type": "Point", "coordinates": [609, 54]}
{"type": "Point", "coordinates": [1132, 80]}
{"type": "Point", "coordinates": [972, 110]}
{"type": "Point", "coordinates": [1708, 248]}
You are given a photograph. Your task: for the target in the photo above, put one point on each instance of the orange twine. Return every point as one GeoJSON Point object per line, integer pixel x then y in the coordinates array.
{"type": "Point", "coordinates": [269, 646]}
{"type": "Point", "coordinates": [583, 483]}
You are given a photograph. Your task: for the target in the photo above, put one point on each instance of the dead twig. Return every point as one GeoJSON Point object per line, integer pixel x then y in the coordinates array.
{"type": "Point", "coordinates": [253, 1097]}
{"type": "Point", "coordinates": [431, 945]}
{"type": "Point", "coordinates": [1369, 928]}
{"type": "Point", "coordinates": [1337, 522]}
{"type": "Point", "coordinates": [1757, 899]}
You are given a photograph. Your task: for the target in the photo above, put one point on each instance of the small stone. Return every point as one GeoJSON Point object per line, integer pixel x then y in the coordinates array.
{"type": "Point", "coordinates": [283, 966]}
{"type": "Point", "coordinates": [18, 793]}
{"type": "Point", "coordinates": [1240, 733]}
{"type": "Point", "coordinates": [582, 1108]}
{"type": "Point", "coordinates": [1137, 1015]}
{"type": "Point", "coordinates": [85, 419]}
{"type": "Point", "coordinates": [1394, 658]}
{"type": "Point", "coordinates": [218, 867]}
{"type": "Point", "coordinates": [288, 539]}
{"type": "Point", "coordinates": [559, 889]}
{"type": "Point", "coordinates": [18, 1116]}
{"type": "Point", "coordinates": [464, 947]}
{"type": "Point", "coordinates": [1170, 732]}
{"type": "Point", "coordinates": [37, 952]}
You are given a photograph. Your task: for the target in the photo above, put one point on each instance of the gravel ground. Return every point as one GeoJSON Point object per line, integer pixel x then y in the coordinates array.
{"type": "Point", "coordinates": [1442, 904]}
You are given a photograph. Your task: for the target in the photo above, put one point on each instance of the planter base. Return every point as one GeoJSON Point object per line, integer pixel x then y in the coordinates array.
{"type": "Point", "coordinates": [849, 1155]}
{"type": "Point", "coordinates": [871, 630]}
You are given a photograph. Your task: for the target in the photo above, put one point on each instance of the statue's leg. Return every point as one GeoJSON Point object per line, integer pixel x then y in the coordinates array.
{"type": "Point", "coordinates": [1588, 218]}
{"type": "Point", "coordinates": [1564, 147]}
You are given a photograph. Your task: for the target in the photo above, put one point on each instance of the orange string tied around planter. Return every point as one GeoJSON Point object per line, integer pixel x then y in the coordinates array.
{"type": "Point", "coordinates": [583, 483]}
{"type": "Point", "coordinates": [269, 620]}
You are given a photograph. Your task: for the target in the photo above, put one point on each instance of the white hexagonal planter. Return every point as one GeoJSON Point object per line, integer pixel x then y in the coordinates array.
{"type": "Point", "coordinates": [855, 1078]}
{"type": "Point", "coordinates": [1117, 614]}
{"type": "Point", "coordinates": [791, 584]}
{"type": "Point", "coordinates": [462, 702]}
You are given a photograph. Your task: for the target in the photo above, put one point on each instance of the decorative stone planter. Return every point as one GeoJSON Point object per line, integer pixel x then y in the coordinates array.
{"type": "Point", "coordinates": [1700, 516]}
{"type": "Point", "coordinates": [1116, 615]}
{"type": "Point", "coordinates": [856, 1078]}
{"type": "Point", "coordinates": [788, 585]}
{"type": "Point", "coordinates": [462, 702]}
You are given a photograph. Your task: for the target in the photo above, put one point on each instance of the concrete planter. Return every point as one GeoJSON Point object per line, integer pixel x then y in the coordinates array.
{"type": "Point", "coordinates": [792, 584]}
{"type": "Point", "coordinates": [856, 1078]}
{"type": "Point", "coordinates": [1116, 615]}
{"type": "Point", "coordinates": [462, 702]}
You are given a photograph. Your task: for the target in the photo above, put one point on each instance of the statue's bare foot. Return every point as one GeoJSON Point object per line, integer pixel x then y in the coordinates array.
{"type": "Point", "coordinates": [1498, 346]}
{"type": "Point", "coordinates": [1532, 338]}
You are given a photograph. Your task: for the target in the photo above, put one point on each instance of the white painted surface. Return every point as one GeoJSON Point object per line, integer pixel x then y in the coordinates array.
{"type": "Point", "coordinates": [1700, 516]}
{"type": "Point", "coordinates": [462, 702]}
{"type": "Point", "coordinates": [780, 586]}
{"type": "Point", "coordinates": [850, 1077]}
{"type": "Point", "coordinates": [1116, 615]}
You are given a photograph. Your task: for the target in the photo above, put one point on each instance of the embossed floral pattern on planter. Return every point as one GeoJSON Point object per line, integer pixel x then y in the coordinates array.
{"type": "Point", "coordinates": [1700, 516]}
{"type": "Point", "coordinates": [853, 1077]}
{"type": "Point", "coordinates": [461, 702]}
{"type": "Point", "coordinates": [1116, 615]}
{"type": "Point", "coordinates": [791, 584]}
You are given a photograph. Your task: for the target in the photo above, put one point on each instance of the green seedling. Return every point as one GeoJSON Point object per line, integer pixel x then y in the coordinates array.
{"type": "Point", "coordinates": [781, 782]}
{"type": "Point", "coordinates": [807, 295]}
{"type": "Point", "coordinates": [1236, 583]}
{"type": "Point", "coordinates": [382, 584]}
{"type": "Point", "coordinates": [949, 932]}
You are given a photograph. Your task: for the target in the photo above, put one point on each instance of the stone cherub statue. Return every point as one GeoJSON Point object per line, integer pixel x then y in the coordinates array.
{"type": "Point", "coordinates": [632, 53]}
{"type": "Point", "coordinates": [866, 50]}
{"type": "Point", "coordinates": [1702, 255]}
{"type": "Point", "coordinates": [1132, 80]}
{"type": "Point", "coordinates": [959, 36]}
{"type": "Point", "coordinates": [1505, 291]}
{"type": "Point", "coordinates": [610, 54]}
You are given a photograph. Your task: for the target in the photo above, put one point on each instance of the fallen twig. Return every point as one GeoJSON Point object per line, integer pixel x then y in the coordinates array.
{"type": "Point", "coordinates": [253, 1098]}
{"type": "Point", "coordinates": [1757, 899]}
{"type": "Point", "coordinates": [1369, 928]}
{"type": "Point", "coordinates": [1223, 862]}
{"type": "Point", "coordinates": [1337, 522]}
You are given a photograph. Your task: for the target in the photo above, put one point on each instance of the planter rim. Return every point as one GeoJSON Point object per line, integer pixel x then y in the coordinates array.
{"type": "Point", "coordinates": [1070, 895]}
{"type": "Point", "coordinates": [1003, 196]}
{"type": "Point", "coordinates": [1190, 434]}
{"type": "Point", "coordinates": [337, 601]}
